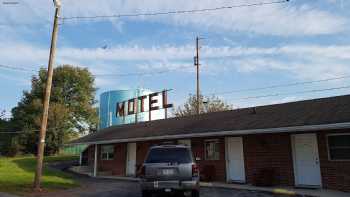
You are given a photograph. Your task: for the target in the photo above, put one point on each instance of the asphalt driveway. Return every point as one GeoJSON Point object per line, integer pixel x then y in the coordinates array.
{"type": "Point", "coordinates": [91, 187]}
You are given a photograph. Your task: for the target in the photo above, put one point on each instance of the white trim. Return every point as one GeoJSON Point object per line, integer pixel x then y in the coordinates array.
{"type": "Point", "coordinates": [95, 161]}
{"type": "Point", "coordinates": [306, 128]}
{"type": "Point", "coordinates": [328, 150]}
{"type": "Point", "coordinates": [295, 165]}
{"type": "Point", "coordinates": [127, 166]}
{"type": "Point", "coordinates": [80, 158]}
{"type": "Point", "coordinates": [294, 162]}
{"type": "Point", "coordinates": [227, 163]}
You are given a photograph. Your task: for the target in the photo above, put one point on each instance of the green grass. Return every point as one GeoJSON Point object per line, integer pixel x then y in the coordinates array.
{"type": "Point", "coordinates": [17, 174]}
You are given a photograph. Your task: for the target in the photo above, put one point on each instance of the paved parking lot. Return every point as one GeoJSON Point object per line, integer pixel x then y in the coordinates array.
{"type": "Point", "coordinates": [111, 188]}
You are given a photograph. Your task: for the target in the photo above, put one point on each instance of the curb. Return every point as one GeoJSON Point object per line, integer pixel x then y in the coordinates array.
{"type": "Point", "coordinates": [267, 190]}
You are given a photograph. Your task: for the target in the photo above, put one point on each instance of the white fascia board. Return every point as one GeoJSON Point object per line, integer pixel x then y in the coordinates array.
{"type": "Point", "coordinates": [306, 128]}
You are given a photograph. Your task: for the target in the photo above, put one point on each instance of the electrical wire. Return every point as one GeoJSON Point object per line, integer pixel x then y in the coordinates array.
{"type": "Point", "coordinates": [17, 68]}
{"type": "Point", "coordinates": [174, 12]}
{"type": "Point", "coordinates": [291, 93]}
{"type": "Point", "coordinates": [278, 86]}
{"type": "Point", "coordinates": [106, 75]}
{"type": "Point", "coordinates": [142, 73]}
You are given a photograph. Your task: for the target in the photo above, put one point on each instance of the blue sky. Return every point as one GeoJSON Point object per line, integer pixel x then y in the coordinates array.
{"type": "Point", "coordinates": [303, 40]}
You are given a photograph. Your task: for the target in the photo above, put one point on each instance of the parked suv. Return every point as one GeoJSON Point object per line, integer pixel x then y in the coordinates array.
{"type": "Point", "coordinates": [170, 169]}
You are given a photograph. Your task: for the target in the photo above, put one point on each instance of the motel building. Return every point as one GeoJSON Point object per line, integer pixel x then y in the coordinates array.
{"type": "Point", "coordinates": [303, 144]}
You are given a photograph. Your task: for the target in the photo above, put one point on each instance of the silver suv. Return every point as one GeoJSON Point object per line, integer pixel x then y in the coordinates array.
{"type": "Point", "coordinates": [170, 169]}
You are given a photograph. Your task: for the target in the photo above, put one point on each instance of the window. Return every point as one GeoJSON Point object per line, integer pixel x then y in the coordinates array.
{"type": "Point", "coordinates": [169, 155]}
{"type": "Point", "coordinates": [339, 147]}
{"type": "Point", "coordinates": [212, 149]}
{"type": "Point", "coordinates": [107, 152]}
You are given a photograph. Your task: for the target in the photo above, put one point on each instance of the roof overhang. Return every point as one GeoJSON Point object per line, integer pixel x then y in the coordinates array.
{"type": "Point", "coordinates": [294, 129]}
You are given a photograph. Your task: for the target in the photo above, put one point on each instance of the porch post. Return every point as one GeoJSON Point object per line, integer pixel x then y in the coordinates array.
{"type": "Point", "coordinates": [95, 161]}
{"type": "Point", "coordinates": [80, 158]}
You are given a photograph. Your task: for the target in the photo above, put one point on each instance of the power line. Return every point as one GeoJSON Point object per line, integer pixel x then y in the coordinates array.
{"type": "Point", "coordinates": [142, 73]}
{"type": "Point", "coordinates": [17, 68]}
{"type": "Point", "coordinates": [279, 86]}
{"type": "Point", "coordinates": [105, 75]}
{"type": "Point", "coordinates": [291, 93]}
{"type": "Point", "coordinates": [174, 12]}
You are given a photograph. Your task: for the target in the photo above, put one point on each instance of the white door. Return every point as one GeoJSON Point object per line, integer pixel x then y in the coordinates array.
{"type": "Point", "coordinates": [184, 142]}
{"type": "Point", "coordinates": [131, 159]}
{"type": "Point", "coordinates": [306, 160]}
{"type": "Point", "coordinates": [235, 159]}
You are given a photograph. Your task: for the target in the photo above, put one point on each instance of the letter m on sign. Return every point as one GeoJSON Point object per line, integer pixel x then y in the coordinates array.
{"type": "Point", "coordinates": [120, 109]}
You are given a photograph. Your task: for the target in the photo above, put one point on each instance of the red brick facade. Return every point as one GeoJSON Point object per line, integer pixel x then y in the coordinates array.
{"type": "Point", "coordinates": [218, 165]}
{"type": "Point", "coordinates": [272, 152]}
{"type": "Point", "coordinates": [117, 165]}
{"type": "Point", "coordinates": [335, 174]}
{"type": "Point", "coordinates": [265, 151]}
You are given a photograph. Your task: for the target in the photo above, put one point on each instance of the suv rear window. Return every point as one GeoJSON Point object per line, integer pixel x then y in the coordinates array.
{"type": "Point", "coordinates": [169, 155]}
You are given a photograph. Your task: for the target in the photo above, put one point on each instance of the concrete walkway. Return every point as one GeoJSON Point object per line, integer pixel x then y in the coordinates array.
{"type": "Point", "coordinates": [281, 190]}
{"type": "Point", "coordinates": [275, 190]}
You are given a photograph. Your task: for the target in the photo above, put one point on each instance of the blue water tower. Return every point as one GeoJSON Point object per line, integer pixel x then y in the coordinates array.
{"type": "Point", "coordinates": [108, 107]}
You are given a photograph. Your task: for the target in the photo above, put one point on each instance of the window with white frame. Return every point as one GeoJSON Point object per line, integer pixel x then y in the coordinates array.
{"type": "Point", "coordinates": [107, 152]}
{"type": "Point", "coordinates": [339, 147]}
{"type": "Point", "coordinates": [212, 149]}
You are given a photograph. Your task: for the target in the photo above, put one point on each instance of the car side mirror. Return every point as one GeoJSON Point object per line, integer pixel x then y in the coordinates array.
{"type": "Point", "coordinates": [198, 158]}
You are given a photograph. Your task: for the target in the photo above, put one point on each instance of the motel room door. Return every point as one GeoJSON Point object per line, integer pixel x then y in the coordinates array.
{"type": "Point", "coordinates": [307, 171]}
{"type": "Point", "coordinates": [235, 160]}
{"type": "Point", "coordinates": [131, 159]}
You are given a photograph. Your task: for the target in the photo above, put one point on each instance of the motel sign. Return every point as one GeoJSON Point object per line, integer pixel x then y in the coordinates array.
{"type": "Point", "coordinates": [137, 105]}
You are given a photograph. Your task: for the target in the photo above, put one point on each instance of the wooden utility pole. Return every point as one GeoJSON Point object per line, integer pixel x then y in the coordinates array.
{"type": "Point", "coordinates": [196, 63]}
{"type": "Point", "coordinates": [41, 143]}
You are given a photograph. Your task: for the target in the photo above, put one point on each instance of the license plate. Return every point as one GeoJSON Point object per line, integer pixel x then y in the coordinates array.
{"type": "Point", "coordinates": [167, 190]}
{"type": "Point", "coordinates": [155, 184]}
{"type": "Point", "coordinates": [167, 171]}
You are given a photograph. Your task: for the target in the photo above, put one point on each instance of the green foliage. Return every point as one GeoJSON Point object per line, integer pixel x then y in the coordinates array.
{"type": "Point", "coordinates": [2, 114]}
{"type": "Point", "coordinates": [206, 105]}
{"type": "Point", "coordinates": [17, 174]}
{"type": "Point", "coordinates": [71, 108]}
{"type": "Point", "coordinates": [8, 141]}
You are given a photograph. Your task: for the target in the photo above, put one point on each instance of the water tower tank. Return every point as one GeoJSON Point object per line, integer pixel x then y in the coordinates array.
{"type": "Point", "coordinates": [108, 107]}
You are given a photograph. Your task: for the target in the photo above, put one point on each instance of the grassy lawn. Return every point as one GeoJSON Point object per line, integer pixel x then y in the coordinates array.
{"type": "Point", "coordinates": [16, 175]}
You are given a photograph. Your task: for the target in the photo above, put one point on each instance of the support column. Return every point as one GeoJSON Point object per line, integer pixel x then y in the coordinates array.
{"type": "Point", "coordinates": [95, 161]}
{"type": "Point", "coordinates": [81, 158]}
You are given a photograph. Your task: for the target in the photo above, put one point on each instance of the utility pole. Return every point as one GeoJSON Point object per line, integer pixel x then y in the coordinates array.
{"type": "Point", "coordinates": [196, 63]}
{"type": "Point", "coordinates": [41, 143]}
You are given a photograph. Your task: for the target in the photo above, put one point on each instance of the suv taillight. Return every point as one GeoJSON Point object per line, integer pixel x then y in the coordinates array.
{"type": "Point", "coordinates": [195, 170]}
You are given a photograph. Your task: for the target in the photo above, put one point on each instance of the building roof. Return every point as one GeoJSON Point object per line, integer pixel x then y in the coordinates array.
{"type": "Point", "coordinates": [302, 116]}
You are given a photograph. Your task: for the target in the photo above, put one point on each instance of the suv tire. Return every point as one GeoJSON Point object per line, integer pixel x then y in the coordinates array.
{"type": "Point", "coordinates": [146, 193]}
{"type": "Point", "coordinates": [195, 193]}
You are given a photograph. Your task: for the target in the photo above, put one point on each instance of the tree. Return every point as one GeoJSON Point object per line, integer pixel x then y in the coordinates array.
{"type": "Point", "coordinates": [71, 109]}
{"type": "Point", "coordinates": [8, 138]}
{"type": "Point", "coordinates": [207, 105]}
{"type": "Point", "coordinates": [2, 114]}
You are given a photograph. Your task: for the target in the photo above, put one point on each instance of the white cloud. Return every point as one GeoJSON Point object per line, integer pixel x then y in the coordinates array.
{"type": "Point", "coordinates": [300, 61]}
{"type": "Point", "coordinates": [283, 19]}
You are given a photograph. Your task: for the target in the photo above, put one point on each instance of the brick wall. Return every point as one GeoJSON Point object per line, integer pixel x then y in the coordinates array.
{"type": "Point", "coordinates": [219, 165]}
{"type": "Point", "coordinates": [118, 165]}
{"type": "Point", "coordinates": [269, 151]}
{"type": "Point", "coordinates": [266, 151]}
{"type": "Point", "coordinates": [335, 174]}
{"type": "Point", "coordinates": [91, 155]}
{"type": "Point", "coordinates": [141, 151]}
